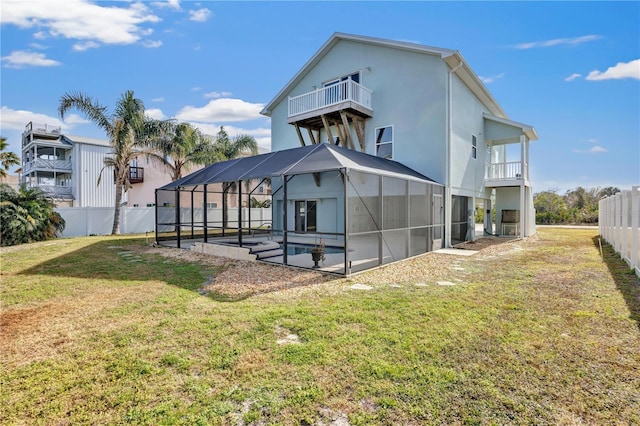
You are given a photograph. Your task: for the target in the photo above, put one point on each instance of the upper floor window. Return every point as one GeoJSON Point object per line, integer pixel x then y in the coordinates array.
{"type": "Point", "coordinates": [353, 76]}
{"type": "Point", "coordinates": [474, 146]}
{"type": "Point", "coordinates": [384, 142]}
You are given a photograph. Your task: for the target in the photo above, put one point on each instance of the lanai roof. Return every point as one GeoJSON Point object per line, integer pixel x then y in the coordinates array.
{"type": "Point", "coordinates": [295, 161]}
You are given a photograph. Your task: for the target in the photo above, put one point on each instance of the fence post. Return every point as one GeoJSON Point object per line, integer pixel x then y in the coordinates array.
{"type": "Point", "coordinates": [635, 227]}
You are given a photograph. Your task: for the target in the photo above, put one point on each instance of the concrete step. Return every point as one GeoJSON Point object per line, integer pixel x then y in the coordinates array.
{"type": "Point", "coordinates": [267, 245]}
{"type": "Point", "coordinates": [269, 253]}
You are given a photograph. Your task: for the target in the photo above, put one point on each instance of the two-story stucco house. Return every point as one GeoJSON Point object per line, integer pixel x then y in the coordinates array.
{"type": "Point", "coordinates": [423, 107]}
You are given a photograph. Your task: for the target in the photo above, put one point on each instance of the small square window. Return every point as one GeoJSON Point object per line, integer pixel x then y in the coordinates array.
{"type": "Point", "coordinates": [474, 146]}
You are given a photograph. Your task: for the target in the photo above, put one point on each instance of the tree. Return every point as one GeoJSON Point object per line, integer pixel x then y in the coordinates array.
{"type": "Point", "coordinates": [7, 159]}
{"type": "Point", "coordinates": [27, 216]}
{"type": "Point", "coordinates": [183, 147]}
{"type": "Point", "coordinates": [127, 128]}
{"type": "Point", "coordinates": [228, 149]}
{"type": "Point", "coordinates": [550, 208]}
{"type": "Point", "coordinates": [608, 192]}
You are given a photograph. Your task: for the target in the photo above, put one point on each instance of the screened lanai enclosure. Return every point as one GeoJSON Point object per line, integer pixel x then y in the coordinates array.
{"type": "Point", "coordinates": [362, 211]}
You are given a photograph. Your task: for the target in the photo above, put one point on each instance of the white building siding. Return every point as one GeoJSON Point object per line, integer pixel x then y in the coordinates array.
{"type": "Point", "coordinates": [88, 161]}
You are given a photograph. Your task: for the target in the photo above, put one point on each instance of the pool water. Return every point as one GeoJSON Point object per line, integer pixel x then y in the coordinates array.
{"type": "Point", "coordinates": [302, 249]}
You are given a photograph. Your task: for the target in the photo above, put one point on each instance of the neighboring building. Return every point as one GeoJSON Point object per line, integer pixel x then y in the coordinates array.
{"type": "Point", "coordinates": [423, 107]}
{"type": "Point", "coordinates": [12, 180]}
{"type": "Point", "coordinates": [67, 167]}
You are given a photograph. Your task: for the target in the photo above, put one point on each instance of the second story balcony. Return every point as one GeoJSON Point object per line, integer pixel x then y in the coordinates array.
{"type": "Point", "coordinates": [136, 174]}
{"type": "Point", "coordinates": [344, 95]}
{"type": "Point", "coordinates": [47, 165]}
{"type": "Point", "coordinates": [506, 173]}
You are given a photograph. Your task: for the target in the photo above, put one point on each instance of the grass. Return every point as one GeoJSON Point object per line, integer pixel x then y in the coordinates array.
{"type": "Point", "coordinates": [94, 331]}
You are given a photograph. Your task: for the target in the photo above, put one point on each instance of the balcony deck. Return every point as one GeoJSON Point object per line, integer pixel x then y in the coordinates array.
{"type": "Point", "coordinates": [307, 109]}
{"type": "Point", "coordinates": [48, 165]}
{"type": "Point", "coordinates": [511, 173]}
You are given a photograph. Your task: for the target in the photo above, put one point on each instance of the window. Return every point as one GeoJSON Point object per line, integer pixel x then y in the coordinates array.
{"type": "Point", "coordinates": [384, 142]}
{"type": "Point", "coordinates": [474, 146]}
{"type": "Point", "coordinates": [305, 216]}
{"type": "Point", "coordinates": [339, 92]}
{"type": "Point", "coordinates": [212, 205]}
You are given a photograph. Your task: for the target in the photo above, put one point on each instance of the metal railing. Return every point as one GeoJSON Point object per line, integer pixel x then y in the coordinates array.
{"type": "Point", "coordinates": [347, 90]}
{"type": "Point", "coordinates": [53, 190]}
{"type": "Point", "coordinates": [51, 165]}
{"type": "Point", "coordinates": [42, 128]}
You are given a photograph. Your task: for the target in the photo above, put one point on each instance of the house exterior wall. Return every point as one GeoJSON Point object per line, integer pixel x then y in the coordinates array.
{"type": "Point", "coordinates": [467, 173]}
{"type": "Point", "coordinates": [409, 93]}
{"type": "Point", "coordinates": [88, 161]}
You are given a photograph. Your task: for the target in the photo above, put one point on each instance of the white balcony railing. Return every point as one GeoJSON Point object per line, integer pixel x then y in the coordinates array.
{"type": "Point", "coordinates": [347, 90]}
{"type": "Point", "coordinates": [508, 170]}
{"type": "Point", "coordinates": [50, 165]}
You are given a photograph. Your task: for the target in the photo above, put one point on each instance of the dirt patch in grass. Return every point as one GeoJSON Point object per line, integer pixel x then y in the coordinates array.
{"type": "Point", "coordinates": [43, 330]}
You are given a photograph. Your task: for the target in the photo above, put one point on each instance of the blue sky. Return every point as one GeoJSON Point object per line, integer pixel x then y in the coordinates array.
{"type": "Point", "coordinates": [570, 69]}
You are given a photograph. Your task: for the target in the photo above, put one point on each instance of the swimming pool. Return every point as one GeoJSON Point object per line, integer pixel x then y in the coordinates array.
{"type": "Point", "coordinates": [293, 249]}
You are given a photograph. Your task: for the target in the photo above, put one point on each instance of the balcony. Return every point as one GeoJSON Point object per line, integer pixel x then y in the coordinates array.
{"type": "Point", "coordinates": [42, 129]}
{"type": "Point", "coordinates": [54, 191]}
{"type": "Point", "coordinates": [307, 109]}
{"type": "Point", "coordinates": [48, 165]}
{"type": "Point", "coordinates": [509, 173]}
{"type": "Point", "coordinates": [136, 174]}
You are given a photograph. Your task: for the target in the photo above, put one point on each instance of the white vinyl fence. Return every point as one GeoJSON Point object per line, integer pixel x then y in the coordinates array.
{"type": "Point", "coordinates": [619, 222]}
{"type": "Point", "coordinates": [82, 221]}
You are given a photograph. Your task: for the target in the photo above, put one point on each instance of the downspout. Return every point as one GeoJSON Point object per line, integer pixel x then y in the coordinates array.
{"type": "Point", "coordinates": [447, 186]}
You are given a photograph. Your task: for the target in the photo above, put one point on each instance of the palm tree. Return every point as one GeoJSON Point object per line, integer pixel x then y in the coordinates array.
{"type": "Point", "coordinates": [7, 159]}
{"type": "Point", "coordinates": [183, 147]}
{"type": "Point", "coordinates": [26, 216]}
{"type": "Point", "coordinates": [228, 149]}
{"type": "Point", "coordinates": [126, 129]}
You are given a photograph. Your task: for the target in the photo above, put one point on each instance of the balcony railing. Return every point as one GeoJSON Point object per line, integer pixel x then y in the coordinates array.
{"type": "Point", "coordinates": [48, 165]}
{"type": "Point", "coordinates": [42, 128]}
{"type": "Point", "coordinates": [347, 90]}
{"type": "Point", "coordinates": [53, 190]}
{"type": "Point", "coordinates": [512, 170]}
{"type": "Point", "coordinates": [136, 174]}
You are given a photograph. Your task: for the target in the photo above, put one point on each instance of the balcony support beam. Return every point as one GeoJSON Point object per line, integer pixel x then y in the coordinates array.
{"type": "Point", "coordinates": [299, 134]}
{"type": "Point", "coordinates": [312, 136]}
{"type": "Point", "coordinates": [347, 129]}
{"type": "Point", "coordinates": [327, 128]}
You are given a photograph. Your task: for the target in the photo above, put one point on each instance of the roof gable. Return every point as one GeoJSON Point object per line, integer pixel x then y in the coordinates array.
{"type": "Point", "coordinates": [452, 57]}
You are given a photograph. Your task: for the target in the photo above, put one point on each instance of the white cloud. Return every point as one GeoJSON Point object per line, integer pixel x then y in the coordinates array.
{"type": "Point", "coordinates": [152, 44]}
{"type": "Point", "coordinates": [221, 110]}
{"type": "Point", "coordinates": [38, 46]}
{"type": "Point", "coordinates": [73, 119]}
{"type": "Point", "coordinates": [81, 20]}
{"type": "Point", "coordinates": [619, 71]}
{"type": "Point", "coordinates": [573, 77]}
{"type": "Point", "coordinates": [592, 140]}
{"type": "Point", "coordinates": [200, 15]}
{"type": "Point", "coordinates": [155, 113]}
{"type": "Point", "coordinates": [171, 4]}
{"type": "Point", "coordinates": [262, 135]}
{"type": "Point", "coordinates": [40, 35]}
{"type": "Point", "coordinates": [558, 41]}
{"type": "Point", "coordinates": [596, 149]}
{"type": "Point", "coordinates": [12, 119]}
{"type": "Point", "coordinates": [196, 89]}
{"type": "Point", "coordinates": [216, 95]}
{"type": "Point", "coordinates": [81, 47]}
{"type": "Point", "coordinates": [25, 58]}
{"type": "Point", "coordinates": [487, 80]}
{"type": "Point", "coordinates": [160, 99]}
{"type": "Point", "coordinates": [593, 150]}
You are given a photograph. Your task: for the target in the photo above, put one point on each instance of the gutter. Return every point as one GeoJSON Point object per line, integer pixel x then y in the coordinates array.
{"type": "Point", "coordinates": [447, 186]}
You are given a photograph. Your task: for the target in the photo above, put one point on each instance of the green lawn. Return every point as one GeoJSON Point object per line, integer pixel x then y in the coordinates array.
{"type": "Point", "coordinates": [96, 331]}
